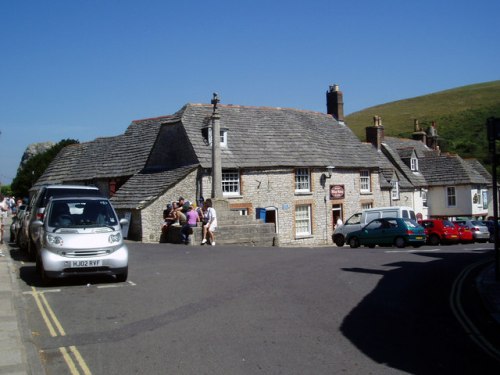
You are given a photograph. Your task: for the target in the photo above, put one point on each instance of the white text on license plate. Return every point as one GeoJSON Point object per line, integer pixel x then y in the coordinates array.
{"type": "Point", "coordinates": [86, 263]}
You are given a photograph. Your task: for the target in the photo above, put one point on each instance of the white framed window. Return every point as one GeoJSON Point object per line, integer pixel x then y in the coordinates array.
{"type": "Point", "coordinates": [303, 220]}
{"type": "Point", "coordinates": [395, 190]}
{"type": "Point", "coordinates": [302, 180]}
{"type": "Point", "coordinates": [365, 206]}
{"type": "Point", "coordinates": [451, 196]}
{"type": "Point", "coordinates": [424, 197]}
{"type": "Point", "coordinates": [223, 137]}
{"type": "Point", "coordinates": [230, 183]}
{"type": "Point", "coordinates": [364, 181]}
{"type": "Point", "coordinates": [414, 163]}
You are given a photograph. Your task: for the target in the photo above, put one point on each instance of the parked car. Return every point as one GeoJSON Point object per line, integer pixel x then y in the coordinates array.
{"type": "Point", "coordinates": [360, 219]}
{"type": "Point", "coordinates": [388, 231]}
{"type": "Point", "coordinates": [440, 231]}
{"type": "Point", "coordinates": [464, 234]}
{"type": "Point", "coordinates": [36, 208]}
{"type": "Point", "coordinates": [478, 228]}
{"type": "Point", "coordinates": [80, 236]}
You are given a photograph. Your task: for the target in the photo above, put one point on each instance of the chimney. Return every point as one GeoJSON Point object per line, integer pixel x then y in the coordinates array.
{"type": "Point", "coordinates": [335, 103]}
{"type": "Point", "coordinates": [432, 136]}
{"type": "Point", "coordinates": [419, 134]}
{"type": "Point", "coordinates": [375, 133]}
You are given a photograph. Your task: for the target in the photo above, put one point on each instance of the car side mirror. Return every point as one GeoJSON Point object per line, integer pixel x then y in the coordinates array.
{"type": "Point", "coordinates": [123, 221]}
{"type": "Point", "coordinates": [37, 224]}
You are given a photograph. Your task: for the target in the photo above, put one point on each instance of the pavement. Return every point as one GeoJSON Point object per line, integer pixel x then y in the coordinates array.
{"type": "Point", "coordinates": [14, 353]}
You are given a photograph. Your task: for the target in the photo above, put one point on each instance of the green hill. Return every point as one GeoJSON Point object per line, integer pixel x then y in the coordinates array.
{"type": "Point", "coordinates": [460, 115]}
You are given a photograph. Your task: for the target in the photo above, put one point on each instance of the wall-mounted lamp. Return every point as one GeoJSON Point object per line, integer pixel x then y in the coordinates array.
{"type": "Point", "coordinates": [330, 169]}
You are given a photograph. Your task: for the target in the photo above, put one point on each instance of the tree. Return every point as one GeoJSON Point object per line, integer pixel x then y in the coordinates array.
{"type": "Point", "coordinates": [34, 167]}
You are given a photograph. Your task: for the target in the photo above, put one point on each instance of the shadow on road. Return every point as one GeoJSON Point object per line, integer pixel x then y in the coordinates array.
{"type": "Point", "coordinates": [407, 322]}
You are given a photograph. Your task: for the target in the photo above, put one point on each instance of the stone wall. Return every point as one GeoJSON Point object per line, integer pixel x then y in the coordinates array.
{"type": "Point", "coordinates": [152, 215]}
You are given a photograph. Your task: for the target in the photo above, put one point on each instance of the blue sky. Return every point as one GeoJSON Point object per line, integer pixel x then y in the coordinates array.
{"type": "Point", "coordinates": [83, 69]}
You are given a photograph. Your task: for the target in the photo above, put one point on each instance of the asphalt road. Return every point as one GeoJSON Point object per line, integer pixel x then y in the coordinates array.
{"type": "Point", "coordinates": [244, 310]}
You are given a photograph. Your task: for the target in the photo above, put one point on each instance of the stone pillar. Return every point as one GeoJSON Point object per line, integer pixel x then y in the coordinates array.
{"type": "Point", "coordinates": [216, 157]}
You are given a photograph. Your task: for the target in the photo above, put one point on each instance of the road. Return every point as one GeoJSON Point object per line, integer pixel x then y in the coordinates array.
{"type": "Point", "coordinates": [245, 310]}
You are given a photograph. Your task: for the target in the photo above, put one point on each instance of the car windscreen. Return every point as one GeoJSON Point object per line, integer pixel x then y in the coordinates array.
{"type": "Point", "coordinates": [79, 213]}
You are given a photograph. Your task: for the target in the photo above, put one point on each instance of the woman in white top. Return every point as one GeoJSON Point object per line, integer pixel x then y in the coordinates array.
{"type": "Point", "coordinates": [209, 222]}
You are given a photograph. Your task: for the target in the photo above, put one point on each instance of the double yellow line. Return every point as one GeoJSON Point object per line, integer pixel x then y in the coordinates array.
{"type": "Point", "coordinates": [55, 328]}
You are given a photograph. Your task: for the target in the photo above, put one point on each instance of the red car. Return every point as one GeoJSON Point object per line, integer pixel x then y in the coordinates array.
{"type": "Point", "coordinates": [464, 233]}
{"type": "Point", "coordinates": [440, 231]}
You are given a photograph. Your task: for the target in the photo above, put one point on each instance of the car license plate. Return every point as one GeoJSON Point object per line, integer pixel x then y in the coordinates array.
{"type": "Point", "coordinates": [85, 263]}
{"type": "Point", "coordinates": [419, 238]}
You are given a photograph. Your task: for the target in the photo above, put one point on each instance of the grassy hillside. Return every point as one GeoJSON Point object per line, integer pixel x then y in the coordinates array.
{"type": "Point", "coordinates": [460, 115]}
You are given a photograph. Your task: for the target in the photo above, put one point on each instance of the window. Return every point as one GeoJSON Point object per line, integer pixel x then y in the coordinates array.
{"type": "Point", "coordinates": [414, 163]}
{"type": "Point", "coordinates": [364, 178]}
{"type": "Point", "coordinates": [451, 197]}
{"type": "Point", "coordinates": [302, 180]}
{"type": "Point", "coordinates": [303, 220]}
{"type": "Point", "coordinates": [231, 183]}
{"type": "Point", "coordinates": [395, 190]}
{"type": "Point", "coordinates": [424, 197]}
{"type": "Point", "coordinates": [223, 137]}
{"type": "Point", "coordinates": [365, 206]}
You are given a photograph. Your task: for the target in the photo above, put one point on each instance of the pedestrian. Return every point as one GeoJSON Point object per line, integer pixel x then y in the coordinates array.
{"type": "Point", "coordinates": [4, 208]}
{"type": "Point", "coordinates": [192, 220]}
{"type": "Point", "coordinates": [211, 223]}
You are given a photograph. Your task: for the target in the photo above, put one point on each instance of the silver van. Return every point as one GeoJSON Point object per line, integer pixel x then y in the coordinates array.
{"type": "Point", "coordinates": [360, 219]}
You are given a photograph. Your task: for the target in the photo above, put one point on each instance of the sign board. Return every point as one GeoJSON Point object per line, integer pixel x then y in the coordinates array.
{"type": "Point", "coordinates": [337, 192]}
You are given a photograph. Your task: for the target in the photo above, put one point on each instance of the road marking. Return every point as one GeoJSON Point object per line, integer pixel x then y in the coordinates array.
{"type": "Point", "coordinates": [462, 317]}
{"type": "Point", "coordinates": [413, 251]}
{"type": "Point", "coordinates": [51, 320]}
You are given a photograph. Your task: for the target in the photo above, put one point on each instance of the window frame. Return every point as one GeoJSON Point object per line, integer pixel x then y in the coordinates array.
{"type": "Point", "coordinates": [297, 182]}
{"type": "Point", "coordinates": [365, 180]}
{"type": "Point", "coordinates": [228, 182]}
{"type": "Point", "coordinates": [395, 190]}
{"type": "Point", "coordinates": [307, 219]}
{"type": "Point", "coordinates": [451, 198]}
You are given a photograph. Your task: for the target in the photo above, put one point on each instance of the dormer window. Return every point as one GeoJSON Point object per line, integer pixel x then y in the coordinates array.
{"type": "Point", "coordinates": [414, 163]}
{"type": "Point", "coordinates": [223, 137]}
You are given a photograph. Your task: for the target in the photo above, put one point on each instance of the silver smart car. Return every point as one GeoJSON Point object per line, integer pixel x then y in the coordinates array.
{"type": "Point", "coordinates": [81, 236]}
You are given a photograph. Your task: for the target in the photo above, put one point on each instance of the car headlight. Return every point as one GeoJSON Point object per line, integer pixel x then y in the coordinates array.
{"type": "Point", "coordinates": [54, 240]}
{"type": "Point", "coordinates": [115, 237]}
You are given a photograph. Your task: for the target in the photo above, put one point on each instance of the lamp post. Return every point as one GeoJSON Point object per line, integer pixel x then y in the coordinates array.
{"type": "Point", "coordinates": [216, 157]}
{"type": "Point", "coordinates": [493, 127]}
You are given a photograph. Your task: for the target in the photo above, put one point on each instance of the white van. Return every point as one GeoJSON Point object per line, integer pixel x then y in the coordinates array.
{"type": "Point", "coordinates": [360, 219]}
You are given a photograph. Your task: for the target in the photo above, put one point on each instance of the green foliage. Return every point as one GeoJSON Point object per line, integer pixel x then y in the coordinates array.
{"type": "Point", "coordinates": [460, 115]}
{"type": "Point", "coordinates": [35, 167]}
{"type": "Point", "coordinates": [6, 190]}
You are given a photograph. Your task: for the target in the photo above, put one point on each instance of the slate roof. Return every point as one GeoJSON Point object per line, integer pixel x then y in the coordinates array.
{"type": "Point", "coordinates": [272, 137]}
{"type": "Point", "coordinates": [258, 137]}
{"type": "Point", "coordinates": [122, 155]}
{"type": "Point", "coordinates": [451, 169]}
{"type": "Point", "coordinates": [145, 187]}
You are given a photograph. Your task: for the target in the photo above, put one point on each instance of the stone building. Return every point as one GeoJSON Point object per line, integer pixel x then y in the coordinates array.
{"type": "Point", "coordinates": [294, 168]}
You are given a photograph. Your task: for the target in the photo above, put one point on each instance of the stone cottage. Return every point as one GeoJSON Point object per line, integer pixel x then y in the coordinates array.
{"type": "Point", "coordinates": [294, 168]}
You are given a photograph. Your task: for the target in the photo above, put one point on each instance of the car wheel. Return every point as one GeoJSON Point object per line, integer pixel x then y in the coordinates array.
{"type": "Point", "coordinates": [434, 240]}
{"type": "Point", "coordinates": [399, 242]}
{"type": "Point", "coordinates": [339, 240]}
{"type": "Point", "coordinates": [354, 242]}
{"type": "Point", "coordinates": [122, 277]}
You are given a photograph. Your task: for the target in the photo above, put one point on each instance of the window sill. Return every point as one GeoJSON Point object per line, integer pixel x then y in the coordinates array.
{"type": "Point", "coordinates": [232, 196]}
{"type": "Point", "coordinates": [304, 236]}
{"type": "Point", "coordinates": [303, 193]}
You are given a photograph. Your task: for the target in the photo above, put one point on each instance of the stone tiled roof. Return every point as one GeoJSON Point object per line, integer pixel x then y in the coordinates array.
{"type": "Point", "coordinates": [415, 179]}
{"type": "Point", "coordinates": [145, 186]}
{"type": "Point", "coordinates": [451, 170]}
{"type": "Point", "coordinates": [109, 157]}
{"type": "Point", "coordinates": [270, 137]}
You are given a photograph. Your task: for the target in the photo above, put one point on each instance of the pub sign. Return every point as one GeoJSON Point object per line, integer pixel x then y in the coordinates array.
{"type": "Point", "coordinates": [337, 192]}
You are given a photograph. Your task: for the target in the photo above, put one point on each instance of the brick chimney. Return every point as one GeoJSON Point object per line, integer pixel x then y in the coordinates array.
{"type": "Point", "coordinates": [335, 103]}
{"type": "Point", "coordinates": [375, 133]}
